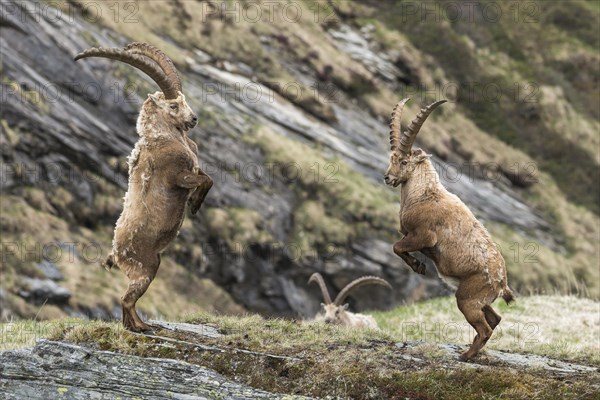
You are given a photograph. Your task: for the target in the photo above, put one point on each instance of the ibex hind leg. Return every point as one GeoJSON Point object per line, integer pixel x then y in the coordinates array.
{"type": "Point", "coordinates": [140, 277]}
{"type": "Point", "coordinates": [472, 306]}
{"type": "Point", "coordinates": [131, 320]}
{"type": "Point", "coordinates": [491, 316]}
{"type": "Point", "coordinates": [476, 318]}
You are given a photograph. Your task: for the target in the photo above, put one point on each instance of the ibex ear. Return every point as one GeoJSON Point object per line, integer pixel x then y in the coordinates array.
{"type": "Point", "coordinates": [419, 155]}
{"type": "Point", "coordinates": [154, 98]}
{"type": "Point", "coordinates": [323, 305]}
{"type": "Point", "coordinates": [345, 306]}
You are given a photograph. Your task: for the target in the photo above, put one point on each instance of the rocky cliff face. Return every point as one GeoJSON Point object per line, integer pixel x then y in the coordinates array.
{"type": "Point", "coordinates": [293, 134]}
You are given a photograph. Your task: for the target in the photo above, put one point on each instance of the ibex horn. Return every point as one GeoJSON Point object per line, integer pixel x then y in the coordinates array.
{"type": "Point", "coordinates": [139, 61]}
{"type": "Point", "coordinates": [161, 59]}
{"type": "Point", "coordinates": [395, 124]}
{"type": "Point", "coordinates": [316, 277]}
{"type": "Point", "coordinates": [410, 134]}
{"type": "Point", "coordinates": [355, 284]}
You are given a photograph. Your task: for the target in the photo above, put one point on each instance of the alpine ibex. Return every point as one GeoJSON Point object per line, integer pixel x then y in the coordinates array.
{"type": "Point", "coordinates": [336, 313]}
{"type": "Point", "coordinates": [439, 225]}
{"type": "Point", "coordinates": [164, 175]}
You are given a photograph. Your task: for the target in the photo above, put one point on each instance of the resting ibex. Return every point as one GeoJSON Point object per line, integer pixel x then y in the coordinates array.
{"type": "Point", "coordinates": [336, 313]}
{"type": "Point", "coordinates": [439, 225]}
{"type": "Point", "coordinates": [163, 175]}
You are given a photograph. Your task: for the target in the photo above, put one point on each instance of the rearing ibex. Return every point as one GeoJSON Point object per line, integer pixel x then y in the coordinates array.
{"type": "Point", "coordinates": [438, 224]}
{"type": "Point", "coordinates": [336, 313]}
{"type": "Point", "coordinates": [163, 175]}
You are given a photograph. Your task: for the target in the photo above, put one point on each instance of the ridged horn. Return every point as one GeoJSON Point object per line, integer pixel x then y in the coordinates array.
{"type": "Point", "coordinates": [139, 61]}
{"type": "Point", "coordinates": [410, 134]}
{"type": "Point", "coordinates": [395, 124]}
{"type": "Point", "coordinates": [355, 284]}
{"type": "Point", "coordinates": [161, 59]}
{"type": "Point", "coordinates": [316, 277]}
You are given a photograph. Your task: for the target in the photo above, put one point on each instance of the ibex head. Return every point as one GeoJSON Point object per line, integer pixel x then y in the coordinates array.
{"type": "Point", "coordinates": [335, 311]}
{"type": "Point", "coordinates": [403, 159]}
{"type": "Point", "coordinates": [176, 112]}
{"type": "Point", "coordinates": [168, 103]}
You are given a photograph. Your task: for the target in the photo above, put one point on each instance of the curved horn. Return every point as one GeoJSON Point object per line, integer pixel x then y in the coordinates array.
{"type": "Point", "coordinates": [149, 67]}
{"type": "Point", "coordinates": [355, 284]}
{"type": "Point", "coordinates": [409, 135]}
{"type": "Point", "coordinates": [316, 277]}
{"type": "Point", "coordinates": [161, 59]}
{"type": "Point", "coordinates": [395, 124]}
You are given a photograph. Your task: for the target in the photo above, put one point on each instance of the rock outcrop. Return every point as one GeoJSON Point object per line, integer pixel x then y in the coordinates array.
{"type": "Point", "coordinates": [54, 370]}
{"type": "Point", "coordinates": [40, 291]}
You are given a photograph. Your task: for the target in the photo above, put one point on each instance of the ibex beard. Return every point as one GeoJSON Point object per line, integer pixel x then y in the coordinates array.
{"type": "Point", "coordinates": [164, 175]}
{"type": "Point", "coordinates": [438, 224]}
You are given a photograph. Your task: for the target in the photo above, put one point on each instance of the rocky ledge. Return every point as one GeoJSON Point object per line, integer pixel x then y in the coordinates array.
{"type": "Point", "coordinates": [54, 369]}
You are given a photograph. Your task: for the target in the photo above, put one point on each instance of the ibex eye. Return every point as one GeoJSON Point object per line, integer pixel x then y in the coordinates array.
{"type": "Point", "coordinates": [404, 162]}
{"type": "Point", "coordinates": [173, 106]}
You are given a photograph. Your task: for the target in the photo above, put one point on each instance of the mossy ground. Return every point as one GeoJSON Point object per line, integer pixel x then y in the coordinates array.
{"type": "Point", "coordinates": [314, 359]}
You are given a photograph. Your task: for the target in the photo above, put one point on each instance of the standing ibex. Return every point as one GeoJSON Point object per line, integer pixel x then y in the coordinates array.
{"type": "Point", "coordinates": [336, 313]}
{"type": "Point", "coordinates": [163, 175]}
{"type": "Point", "coordinates": [438, 224]}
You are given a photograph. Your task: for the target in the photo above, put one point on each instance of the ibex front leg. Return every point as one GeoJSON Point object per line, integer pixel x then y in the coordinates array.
{"type": "Point", "coordinates": [190, 180]}
{"type": "Point", "coordinates": [414, 241]}
{"type": "Point", "coordinates": [412, 262]}
{"type": "Point", "coordinates": [200, 193]}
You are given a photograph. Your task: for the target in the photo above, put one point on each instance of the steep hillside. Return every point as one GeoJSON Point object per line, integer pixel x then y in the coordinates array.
{"type": "Point", "coordinates": [293, 107]}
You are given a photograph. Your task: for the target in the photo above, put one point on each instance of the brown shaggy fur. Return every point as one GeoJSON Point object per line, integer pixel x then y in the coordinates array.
{"type": "Point", "coordinates": [164, 175]}
{"type": "Point", "coordinates": [438, 224]}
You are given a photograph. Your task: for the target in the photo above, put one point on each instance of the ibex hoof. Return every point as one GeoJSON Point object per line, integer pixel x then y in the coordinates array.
{"type": "Point", "coordinates": [143, 329]}
{"type": "Point", "coordinates": [108, 263]}
{"type": "Point", "coordinates": [419, 267]}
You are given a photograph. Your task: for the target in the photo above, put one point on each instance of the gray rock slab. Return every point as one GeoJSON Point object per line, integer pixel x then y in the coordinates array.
{"type": "Point", "coordinates": [59, 370]}
{"type": "Point", "coordinates": [196, 329]}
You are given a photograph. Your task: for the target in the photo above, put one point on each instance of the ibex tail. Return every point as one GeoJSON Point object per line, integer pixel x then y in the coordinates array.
{"type": "Point", "coordinates": [508, 295]}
